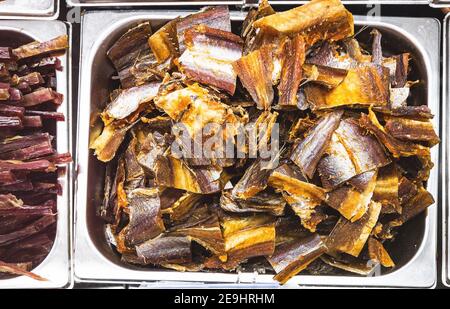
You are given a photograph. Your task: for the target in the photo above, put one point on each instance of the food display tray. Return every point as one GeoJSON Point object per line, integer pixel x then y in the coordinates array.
{"type": "Point", "coordinates": [29, 9]}
{"type": "Point", "coordinates": [56, 268]}
{"type": "Point", "coordinates": [95, 261]}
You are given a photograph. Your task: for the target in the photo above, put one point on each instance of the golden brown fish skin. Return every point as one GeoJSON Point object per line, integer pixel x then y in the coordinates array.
{"type": "Point", "coordinates": [107, 144]}
{"type": "Point", "coordinates": [255, 72]}
{"type": "Point", "coordinates": [364, 85]}
{"type": "Point", "coordinates": [293, 57]}
{"type": "Point", "coordinates": [247, 237]}
{"type": "Point", "coordinates": [326, 76]}
{"type": "Point", "coordinates": [303, 197]}
{"type": "Point", "coordinates": [386, 189]}
{"type": "Point", "coordinates": [378, 253]}
{"type": "Point", "coordinates": [37, 48]}
{"type": "Point", "coordinates": [261, 202]}
{"type": "Point", "coordinates": [318, 20]}
{"type": "Point", "coordinates": [309, 151]}
{"type": "Point", "coordinates": [254, 181]}
{"type": "Point", "coordinates": [350, 237]}
{"type": "Point", "coordinates": [351, 203]}
{"type": "Point", "coordinates": [175, 173]}
{"type": "Point", "coordinates": [395, 146]}
{"type": "Point", "coordinates": [412, 130]}
{"type": "Point", "coordinates": [183, 206]}
{"type": "Point", "coordinates": [293, 257]}
{"type": "Point", "coordinates": [164, 42]}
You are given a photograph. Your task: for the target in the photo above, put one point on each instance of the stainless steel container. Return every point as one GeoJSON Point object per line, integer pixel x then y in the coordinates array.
{"type": "Point", "coordinates": [95, 261]}
{"type": "Point", "coordinates": [445, 156]}
{"type": "Point", "coordinates": [116, 3]}
{"type": "Point", "coordinates": [57, 266]}
{"type": "Point", "coordinates": [29, 9]}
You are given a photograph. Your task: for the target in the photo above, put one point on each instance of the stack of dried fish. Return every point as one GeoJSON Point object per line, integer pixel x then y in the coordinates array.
{"type": "Point", "coordinates": [350, 164]}
{"type": "Point", "coordinates": [28, 160]}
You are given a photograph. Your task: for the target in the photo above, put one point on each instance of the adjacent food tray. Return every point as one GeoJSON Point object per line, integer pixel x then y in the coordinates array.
{"type": "Point", "coordinates": [57, 266]}
{"type": "Point", "coordinates": [115, 3]}
{"type": "Point", "coordinates": [445, 158]}
{"type": "Point", "coordinates": [24, 9]}
{"type": "Point", "coordinates": [415, 249]}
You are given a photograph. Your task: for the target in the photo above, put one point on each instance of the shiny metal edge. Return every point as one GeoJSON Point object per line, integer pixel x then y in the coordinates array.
{"type": "Point", "coordinates": [445, 157]}
{"type": "Point", "coordinates": [56, 267]}
{"type": "Point", "coordinates": [77, 3]}
{"type": "Point", "coordinates": [92, 266]}
{"type": "Point", "coordinates": [51, 13]}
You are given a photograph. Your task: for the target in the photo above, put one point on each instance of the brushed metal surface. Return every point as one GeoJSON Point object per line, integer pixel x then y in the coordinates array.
{"type": "Point", "coordinates": [29, 9]}
{"type": "Point", "coordinates": [445, 156]}
{"type": "Point", "coordinates": [415, 250]}
{"type": "Point", "coordinates": [57, 265]}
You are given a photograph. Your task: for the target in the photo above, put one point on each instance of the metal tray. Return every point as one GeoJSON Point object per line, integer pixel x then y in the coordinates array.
{"type": "Point", "coordinates": [415, 252]}
{"type": "Point", "coordinates": [29, 9]}
{"type": "Point", "coordinates": [445, 157]}
{"type": "Point", "coordinates": [118, 3]}
{"type": "Point", "coordinates": [57, 266]}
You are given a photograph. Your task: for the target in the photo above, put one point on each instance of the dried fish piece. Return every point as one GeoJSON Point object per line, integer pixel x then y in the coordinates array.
{"type": "Point", "coordinates": [350, 237]}
{"type": "Point", "coordinates": [291, 71]}
{"type": "Point", "coordinates": [262, 202]}
{"type": "Point", "coordinates": [247, 237]}
{"type": "Point", "coordinates": [183, 205]}
{"type": "Point", "coordinates": [216, 17]}
{"type": "Point", "coordinates": [364, 85]}
{"type": "Point", "coordinates": [416, 205]}
{"type": "Point", "coordinates": [397, 147]}
{"type": "Point", "coordinates": [131, 99]}
{"type": "Point", "coordinates": [387, 189]}
{"type": "Point", "coordinates": [412, 130]}
{"type": "Point", "coordinates": [174, 173]}
{"type": "Point", "coordinates": [323, 75]}
{"type": "Point", "coordinates": [165, 250]}
{"type": "Point", "coordinates": [16, 269]}
{"type": "Point", "coordinates": [164, 42]}
{"type": "Point", "coordinates": [351, 203]}
{"type": "Point", "coordinates": [350, 153]}
{"type": "Point", "coordinates": [249, 33]}
{"type": "Point", "coordinates": [254, 180]}
{"type": "Point", "coordinates": [293, 257]}
{"type": "Point", "coordinates": [350, 264]}
{"type": "Point", "coordinates": [203, 227]}
{"type": "Point", "coordinates": [209, 56]}
{"type": "Point", "coordinates": [145, 217]}
{"type": "Point", "coordinates": [326, 20]}
{"type": "Point", "coordinates": [309, 151]}
{"type": "Point", "coordinates": [130, 46]}
{"type": "Point", "coordinates": [106, 145]}
{"type": "Point", "coordinates": [379, 254]}
{"type": "Point", "coordinates": [255, 72]}
{"type": "Point", "coordinates": [303, 197]}
{"type": "Point", "coordinates": [40, 49]}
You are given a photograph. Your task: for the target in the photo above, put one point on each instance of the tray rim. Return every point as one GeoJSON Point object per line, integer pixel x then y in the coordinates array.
{"type": "Point", "coordinates": [63, 243]}
{"type": "Point", "coordinates": [389, 280]}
